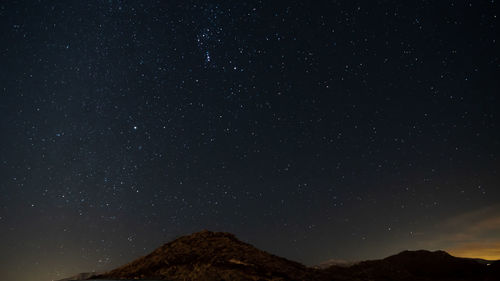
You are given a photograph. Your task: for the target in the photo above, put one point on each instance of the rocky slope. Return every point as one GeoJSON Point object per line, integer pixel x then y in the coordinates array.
{"type": "Point", "coordinates": [211, 256]}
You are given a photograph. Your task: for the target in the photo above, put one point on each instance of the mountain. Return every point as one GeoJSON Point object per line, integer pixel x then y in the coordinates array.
{"type": "Point", "coordinates": [438, 264]}
{"type": "Point", "coordinates": [211, 256]}
{"type": "Point", "coordinates": [414, 265]}
{"type": "Point", "coordinates": [220, 256]}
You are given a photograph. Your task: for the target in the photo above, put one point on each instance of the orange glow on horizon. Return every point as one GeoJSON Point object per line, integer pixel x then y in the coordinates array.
{"type": "Point", "coordinates": [487, 251]}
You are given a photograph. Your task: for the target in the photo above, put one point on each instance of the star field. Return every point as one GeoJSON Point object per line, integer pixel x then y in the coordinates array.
{"type": "Point", "coordinates": [313, 130]}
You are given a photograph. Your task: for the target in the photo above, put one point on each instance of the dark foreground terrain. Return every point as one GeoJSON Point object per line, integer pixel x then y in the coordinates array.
{"type": "Point", "coordinates": [218, 256]}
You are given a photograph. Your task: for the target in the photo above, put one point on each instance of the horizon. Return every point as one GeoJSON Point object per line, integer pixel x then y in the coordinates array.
{"type": "Point", "coordinates": [313, 130]}
{"type": "Point", "coordinates": [337, 261]}
{"type": "Point", "coordinates": [307, 265]}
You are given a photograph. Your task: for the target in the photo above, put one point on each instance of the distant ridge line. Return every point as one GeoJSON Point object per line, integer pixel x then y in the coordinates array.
{"type": "Point", "coordinates": [220, 256]}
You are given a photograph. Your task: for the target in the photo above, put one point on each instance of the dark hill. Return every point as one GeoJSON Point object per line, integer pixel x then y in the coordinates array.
{"type": "Point", "coordinates": [437, 265]}
{"type": "Point", "coordinates": [414, 265]}
{"type": "Point", "coordinates": [210, 256]}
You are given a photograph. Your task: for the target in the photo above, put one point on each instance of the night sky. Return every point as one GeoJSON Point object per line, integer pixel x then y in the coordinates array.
{"type": "Point", "coordinates": [314, 130]}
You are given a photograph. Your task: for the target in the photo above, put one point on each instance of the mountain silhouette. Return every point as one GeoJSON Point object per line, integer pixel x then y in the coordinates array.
{"type": "Point", "coordinates": [220, 256]}
{"type": "Point", "coordinates": [210, 256]}
{"type": "Point", "coordinates": [414, 265]}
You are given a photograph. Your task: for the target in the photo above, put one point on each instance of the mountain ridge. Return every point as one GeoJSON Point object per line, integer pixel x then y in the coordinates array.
{"type": "Point", "coordinates": [220, 256]}
{"type": "Point", "coordinates": [213, 255]}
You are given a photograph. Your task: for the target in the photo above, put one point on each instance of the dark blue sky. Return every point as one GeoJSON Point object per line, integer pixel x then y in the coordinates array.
{"type": "Point", "coordinates": [313, 130]}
